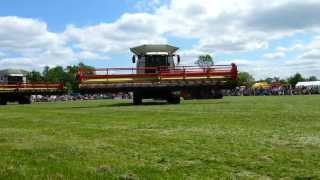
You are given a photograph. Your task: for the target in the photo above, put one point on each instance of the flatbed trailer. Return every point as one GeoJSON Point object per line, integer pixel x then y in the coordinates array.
{"type": "Point", "coordinates": [157, 82]}
{"type": "Point", "coordinates": [22, 93]}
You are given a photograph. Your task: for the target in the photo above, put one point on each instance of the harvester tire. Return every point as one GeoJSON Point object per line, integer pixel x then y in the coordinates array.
{"type": "Point", "coordinates": [25, 100]}
{"type": "Point", "coordinates": [218, 94]}
{"type": "Point", "coordinates": [3, 101]}
{"type": "Point", "coordinates": [174, 100]}
{"type": "Point", "coordinates": [137, 99]}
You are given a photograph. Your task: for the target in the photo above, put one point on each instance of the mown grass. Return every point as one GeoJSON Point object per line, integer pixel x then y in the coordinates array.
{"type": "Point", "coordinates": [233, 138]}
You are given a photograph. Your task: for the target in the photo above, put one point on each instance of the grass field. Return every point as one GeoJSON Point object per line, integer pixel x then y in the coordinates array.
{"type": "Point", "coordinates": [233, 138]}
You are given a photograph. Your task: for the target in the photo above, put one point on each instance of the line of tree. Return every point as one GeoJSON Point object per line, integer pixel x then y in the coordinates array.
{"type": "Point", "coordinates": [58, 74]}
{"type": "Point", "coordinates": [246, 79]}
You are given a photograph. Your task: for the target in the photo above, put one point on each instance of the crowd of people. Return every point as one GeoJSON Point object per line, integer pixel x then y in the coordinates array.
{"type": "Point", "coordinates": [79, 97]}
{"type": "Point", "coordinates": [272, 91]}
{"type": "Point", "coordinates": [238, 91]}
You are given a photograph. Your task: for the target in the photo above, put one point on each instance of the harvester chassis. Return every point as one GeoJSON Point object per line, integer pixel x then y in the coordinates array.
{"type": "Point", "coordinates": [165, 90]}
{"type": "Point", "coordinates": [150, 86]}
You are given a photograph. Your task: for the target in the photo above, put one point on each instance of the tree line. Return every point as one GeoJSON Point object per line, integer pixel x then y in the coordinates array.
{"type": "Point", "coordinates": [246, 79]}
{"type": "Point", "coordinates": [58, 74]}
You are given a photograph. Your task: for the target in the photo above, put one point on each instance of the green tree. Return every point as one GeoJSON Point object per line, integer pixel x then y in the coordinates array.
{"type": "Point", "coordinates": [57, 74]}
{"type": "Point", "coordinates": [245, 79]}
{"type": "Point", "coordinates": [34, 77]}
{"type": "Point", "coordinates": [269, 80]}
{"type": "Point", "coordinates": [204, 61]}
{"type": "Point", "coordinates": [312, 78]}
{"type": "Point", "coordinates": [293, 80]}
{"type": "Point", "coordinates": [276, 79]}
{"type": "Point", "coordinates": [84, 66]}
{"type": "Point", "coordinates": [72, 71]}
{"type": "Point", "coordinates": [45, 73]}
{"type": "Point", "coordinates": [283, 81]}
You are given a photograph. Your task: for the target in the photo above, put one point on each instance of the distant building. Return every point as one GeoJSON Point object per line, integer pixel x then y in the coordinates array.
{"type": "Point", "coordinates": [13, 76]}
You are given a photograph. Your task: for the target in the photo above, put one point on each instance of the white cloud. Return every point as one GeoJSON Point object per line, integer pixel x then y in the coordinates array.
{"type": "Point", "coordinates": [147, 5]}
{"type": "Point", "coordinates": [26, 35]}
{"type": "Point", "coordinates": [276, 55]}
{"type": "Point", "coordinates": [189, 57]}
{"type": "Point", "coordinates": [85, 55]}
{"type": "Point", "coordinates": [237, 25]}
{"type": "Point", "coordinates": [2, 54]}
{"type": "Point", "coordinates": [231, 44]}
{"type": "Point", "coordinates": [289, 16]}
{"type": "Point", "coordinates": [313, 54]}
{"type": "Point", "coordinates": [19, 62]}
{"type": "Point", "coordinates": [295, 47]}
{"type": "Point", "coordinates": [130, 30]}
{"type": "Point", "coordinates": [27, 43]}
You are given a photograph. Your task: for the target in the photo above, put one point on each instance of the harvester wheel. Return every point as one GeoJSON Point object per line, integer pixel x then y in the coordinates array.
{"type": "Point", "coordinates": [137, 99]}
{"type": "Point", "coordinates": [25, 100]}
{"type": "Point", "coordinates": [218, 94]}
{"type": "Point", "coordinates": [3, 101]}
{"type": "Point", "coordinates": [174, 100]}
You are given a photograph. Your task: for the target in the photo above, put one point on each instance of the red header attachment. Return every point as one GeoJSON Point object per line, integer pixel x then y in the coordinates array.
{"type": "Point", "coordinates": [160, 73]}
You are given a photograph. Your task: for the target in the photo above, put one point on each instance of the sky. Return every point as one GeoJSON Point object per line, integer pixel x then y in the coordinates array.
{"type": "Point", "coordinates": [267, 38]}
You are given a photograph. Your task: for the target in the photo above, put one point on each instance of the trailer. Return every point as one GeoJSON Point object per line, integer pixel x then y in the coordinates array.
{"type": "Point", "coordinates": [22, 92]}
{"type": "Point", "coordinates": [157, 75]}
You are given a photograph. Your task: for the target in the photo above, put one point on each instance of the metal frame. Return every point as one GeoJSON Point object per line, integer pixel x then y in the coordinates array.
{"type": "Point", "coordinates": [32, 85]}
{"type": "Point", "coordinates": [22, 92]}
{"type": "Point", "coordinates": [160, 73]}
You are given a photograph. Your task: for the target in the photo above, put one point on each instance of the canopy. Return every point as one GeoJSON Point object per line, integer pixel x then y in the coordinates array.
{"type": "Point", "coordinates": [261, 85]}
{"type": "Point", "coordinates": [308, 84]}
{"type": "Point", "coordinates": [147, 48]}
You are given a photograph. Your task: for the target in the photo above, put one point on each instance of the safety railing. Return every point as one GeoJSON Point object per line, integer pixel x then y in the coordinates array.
{"type": "Point", "coordinates": [32, 86]}
{"type": "Point", "coordinates": [183, 72]}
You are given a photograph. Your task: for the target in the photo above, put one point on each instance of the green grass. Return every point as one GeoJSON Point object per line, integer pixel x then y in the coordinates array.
{"type": "Point", "coordinates": [233, 138]}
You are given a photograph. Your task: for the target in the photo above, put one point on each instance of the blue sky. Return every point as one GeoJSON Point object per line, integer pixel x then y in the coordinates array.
{"type": "Point", "coordinates": [265, 38]}
{"type": "Point", "coordinates": [59, 13]}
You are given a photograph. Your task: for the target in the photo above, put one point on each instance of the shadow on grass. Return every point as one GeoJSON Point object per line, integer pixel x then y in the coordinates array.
{"type": "Point", "coordinates": [148, 103]}
{"type": "Point", "coordinates": [143, 104]}
{"type": "Point", "coordinates": [125, 104]}
{"type": "Point", "coordinates": [206, 101]}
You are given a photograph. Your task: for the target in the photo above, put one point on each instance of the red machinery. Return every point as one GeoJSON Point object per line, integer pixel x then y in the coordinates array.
{"type": "Point", "coordinates": [155, 80]}
{"type": "Point", "coordinates": [107, 75]}
{"type": "Point", "coordinates": [157, 76]}
{"type": "Point", "coordinates": [30, 87]}
{"type": "Point", "coordinates": [22, 92]}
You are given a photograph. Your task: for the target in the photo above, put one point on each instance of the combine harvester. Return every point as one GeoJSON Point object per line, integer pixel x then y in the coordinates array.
{"type": "Point", "coordinates": [21, 92]}
{"type": "Point", "coordinates": [157, 76]}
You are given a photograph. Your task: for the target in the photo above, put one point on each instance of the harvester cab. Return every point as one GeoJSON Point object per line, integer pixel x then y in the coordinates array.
{"type": "Point", "coordinates": [149, 57]}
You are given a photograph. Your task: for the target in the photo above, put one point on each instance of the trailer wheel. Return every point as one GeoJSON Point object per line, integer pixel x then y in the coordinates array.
{"type": "Point", "coordinates": [24, 100]}
{"type": "Point", "coordinates": [174, 100]}
{"type": "Point", "coordinates": [218, 94]}
{"type": "Point", "coordinates": [3, 101]}
{"type": "Point", "coordinates": [137, 99]}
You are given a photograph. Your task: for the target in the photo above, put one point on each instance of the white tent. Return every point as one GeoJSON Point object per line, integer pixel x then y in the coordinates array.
{"type": "Point", "coordinates": [308, 84]}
